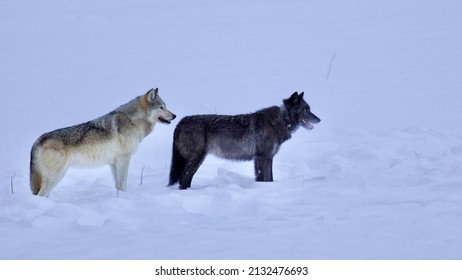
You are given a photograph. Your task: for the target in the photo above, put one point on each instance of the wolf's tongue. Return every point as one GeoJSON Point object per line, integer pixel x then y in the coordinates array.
{"type": "Point", "coordinates": [163, 120]}
{"type": "Point", "coordinates": [307, 124]}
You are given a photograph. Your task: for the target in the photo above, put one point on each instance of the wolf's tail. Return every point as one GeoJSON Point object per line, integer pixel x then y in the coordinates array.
{"type": "Point", "coordinates": [35, 176]}
{"type": "Point", "coordinates": [177, 167]}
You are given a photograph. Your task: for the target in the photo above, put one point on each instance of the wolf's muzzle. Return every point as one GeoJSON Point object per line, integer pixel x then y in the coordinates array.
{"type": "Point", "coordinates": [309, 120]}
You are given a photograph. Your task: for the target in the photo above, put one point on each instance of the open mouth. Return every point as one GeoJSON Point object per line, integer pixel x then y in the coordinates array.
{"type": "Point", "coordinates": [162, 120]}
{"type": "Point", "coordinates": [306, 124]}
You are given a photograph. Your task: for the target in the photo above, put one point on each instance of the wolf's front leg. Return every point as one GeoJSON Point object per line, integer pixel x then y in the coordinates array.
{"type": "Point", "coordinates": [264, 168]}
{"type": "Point", "coordinates": [120, 171]}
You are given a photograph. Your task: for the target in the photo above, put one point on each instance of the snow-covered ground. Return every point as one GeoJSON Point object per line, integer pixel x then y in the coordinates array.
{"type": "Point", "coordinates": [379, 178]}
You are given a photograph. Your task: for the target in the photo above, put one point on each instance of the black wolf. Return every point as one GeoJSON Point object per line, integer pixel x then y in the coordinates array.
{"type": "Point", "coordinates": [256, 136]}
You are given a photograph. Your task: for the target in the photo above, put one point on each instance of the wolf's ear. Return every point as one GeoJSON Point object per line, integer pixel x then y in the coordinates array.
{"type": "Point", "coordinates": [294, 98]}
{"type": "Point", "coordinates": [151, 94]}
{"type": "Point", "coordinates": [301, 95]}
{"type": "Point", "coordinates": [294, 95]}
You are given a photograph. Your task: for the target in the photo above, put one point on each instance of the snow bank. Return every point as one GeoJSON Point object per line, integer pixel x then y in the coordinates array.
{"type": "Point", "coordinates": [379, 178]}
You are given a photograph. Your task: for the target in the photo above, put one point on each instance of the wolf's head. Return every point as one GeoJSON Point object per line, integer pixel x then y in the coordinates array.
{"type": "Point", "coordinates": [298, 112]}
{"type": "Point", "coordinates": [155, 107]}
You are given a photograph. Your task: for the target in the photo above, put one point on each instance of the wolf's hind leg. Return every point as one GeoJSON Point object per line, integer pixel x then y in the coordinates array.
{"type": "Point", "coordinates": [50, 165]}
{"type": "Point", "coordinates": [190, 169]}
{"type": "Point", "coordinates": [120, 172]}
{"type": "Point", "coordinates": [50, 178]}
{"type": "Point", "coordinates": [177, 166]}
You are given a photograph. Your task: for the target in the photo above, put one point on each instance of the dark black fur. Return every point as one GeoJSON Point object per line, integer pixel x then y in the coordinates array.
{"type": "Point", "coordinates": [256, 136]}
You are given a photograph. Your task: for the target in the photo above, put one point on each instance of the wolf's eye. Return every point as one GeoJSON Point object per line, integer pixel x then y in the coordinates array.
{"type": "Point", "coordinates": [162, 107]}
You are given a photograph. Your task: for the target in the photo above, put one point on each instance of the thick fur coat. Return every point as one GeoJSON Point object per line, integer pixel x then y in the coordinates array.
{"type": "Point", "coordinates": [256, 136]}
{"type": "Point", "coordinates": [109, 140]}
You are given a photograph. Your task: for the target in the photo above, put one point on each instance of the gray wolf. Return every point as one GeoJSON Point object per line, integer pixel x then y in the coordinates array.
{"type": "Point", "coordinates": [256, 136]}
{"type": "Point", "coordinates": [109, 140]}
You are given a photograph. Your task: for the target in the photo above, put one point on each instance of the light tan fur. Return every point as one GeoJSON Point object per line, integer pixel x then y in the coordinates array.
{"type": "Point", "coordinates": [144, 101]}
{"type": "Point", "coordinates": [111, 139]}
